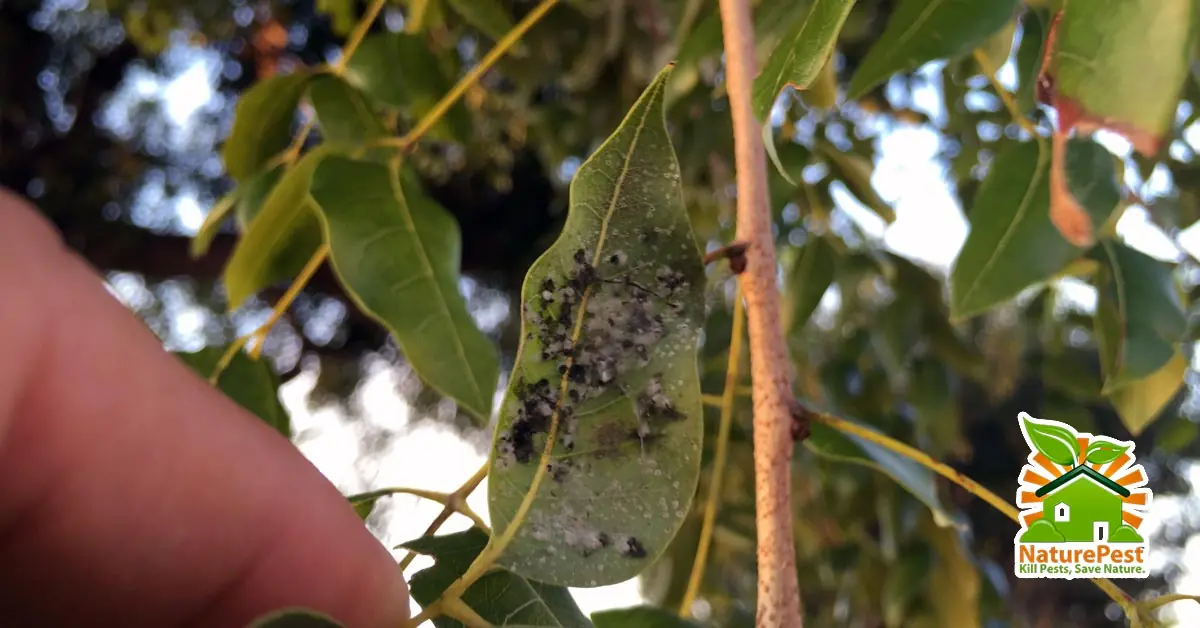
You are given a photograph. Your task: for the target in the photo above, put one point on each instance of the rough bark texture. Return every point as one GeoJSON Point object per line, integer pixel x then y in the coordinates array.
{"type": "Point", "coordinates": [778, 591]}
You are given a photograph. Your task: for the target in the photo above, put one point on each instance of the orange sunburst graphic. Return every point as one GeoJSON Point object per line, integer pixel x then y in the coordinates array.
{"type": "Point", "coordinates": [1040, 471]}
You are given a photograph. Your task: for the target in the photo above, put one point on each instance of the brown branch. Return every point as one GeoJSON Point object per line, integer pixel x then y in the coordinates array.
{"type": "Point", "coordinates": [778, 590]}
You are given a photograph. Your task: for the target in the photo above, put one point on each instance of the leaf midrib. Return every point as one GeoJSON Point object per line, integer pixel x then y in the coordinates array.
{"type": "Point", "coordinates": [1009, 232]}
{"type": "Point", "coordinates": [406, 214]}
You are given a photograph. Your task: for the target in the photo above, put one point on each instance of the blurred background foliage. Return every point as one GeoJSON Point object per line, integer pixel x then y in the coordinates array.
{"type": "Point", "coordinates": [91, 131]}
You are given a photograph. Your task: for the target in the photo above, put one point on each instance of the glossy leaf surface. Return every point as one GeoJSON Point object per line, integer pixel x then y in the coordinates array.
{"type": "Point", "coordinates": [397, 253]}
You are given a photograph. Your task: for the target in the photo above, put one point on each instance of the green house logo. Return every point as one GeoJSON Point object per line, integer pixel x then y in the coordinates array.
{"type": "Point", "coordinates": [1082, 499]}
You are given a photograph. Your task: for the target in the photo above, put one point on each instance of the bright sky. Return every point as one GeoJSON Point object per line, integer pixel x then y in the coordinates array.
{"type": "Point", "coordinates": [930, 227]}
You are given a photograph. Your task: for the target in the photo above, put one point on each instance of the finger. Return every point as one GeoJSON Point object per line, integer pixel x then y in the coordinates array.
{"type": "Point", "coordinates": [132, 493]}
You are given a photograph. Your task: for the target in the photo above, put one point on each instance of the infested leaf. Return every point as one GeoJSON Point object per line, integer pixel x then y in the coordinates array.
{"type": "Point", "coordinates": [295, 618]}
{"type": "Point", "coordinates": [639, 617]}
{"type": "Point", "coordinates": [280, 238]}
{"type": "Point", "coordinates": [1121, 66]}
{"type": "Point", "coordinates": [919, 31]}
{"type": "Point", "coordinates": [500, 597]}
{"type": "Point", "coordinates": [262, 123]}
{"type": "Point", "coordinates": [400, 71]}
{"type": "Point", "coordinates": [802, 53]}
{"type": "Point", "coordinates": [846, 447]}
{"type": "Point", "coordinates": [397, 253]}
{"type": "Point", "coordinates": [1139, 318]}
{"type": "Point", "coordinates": [855, 171]}
{"type": "Point", "coordinates": [810, 277]}
{"type": "Point", "coordinates": [606, 371]}
{"type": "Point", "coordinates": [1140, 402]}
{"type": "Point", "coordinates": [248, 382]}
{"type": "Point", "coordinates": [1057, 443]}
{"type": "Point", "coordinates": [1012, 244]}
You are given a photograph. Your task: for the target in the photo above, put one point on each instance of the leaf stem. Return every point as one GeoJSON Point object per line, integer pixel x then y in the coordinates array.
{"type": "Point", "coordinates": [778, 589]}
{"type": "Point", "coordinates": [281, 307]}
{"type": "Point", "coordinates": [1006, 98]}
{"type": "Point", "coordinates": [357, 35]}
{"type": "Point", "coordinates": [450, 500]}
{"type": "Point", "coordinates": [439, 110]}
{"type": "Point", "coordinates": [718, 473]}
{"type": "Point", "coordinates": [459, 496]}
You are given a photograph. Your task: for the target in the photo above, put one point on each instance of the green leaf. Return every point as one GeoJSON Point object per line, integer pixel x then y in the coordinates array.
{"type": "Point", "coordinates": [262, 123]}
{"type": "Point", "coordinates": [1012, 243]}
{"type": "Point", "coordinates": [996, 49]}
{"type": "Point", "coordinates": [397, 253]}
{"type": "Point", "coordinates": [1122, 65]}
{"type": "Point", "coordinates": [500, 597]}
{"type": "Point", "coordinates": [932, 397]}
{"type": "Point", "coordinates": [639, 617]}
{"type": "Point", "coordinates": [399, 70]}
{"type": "Point", "coordinates": [281, 238]}
{"type": "Point", "coordinates": [1177, 435]}
{"type": "Point", "coordinates": [364, 503]}
{"type": "Point", "coordinates": [855, 171]}
{"type": "Point", "coordinates": [1058, 443]}
{"type": "Point", "coordinates": [1140, 402]}
{"type": "Point", "coordinates": [846, 447]}
{"type": "Point", "coordinates": [489, 16]}
{"type": "Point", "coordinates": [1029, 57]}
{"type": "Point", "coordinates": [809, 279]}
{"type": "Point", "coordinates": [1104, 452]}
{"type": "Point", "coordinates": [212, 222]}
{"type": "Point", "coordinates": [344, 113]}
{"type": "Point", "coordinates": [1139, 318]}
{"type": "Point", "coordinates": [250, 383]}
{"type": "Point", "coordinates": [624, 286]}
{"type": "Point", "coordinates": [920, 31]}
{"type": "Point", "coordinates": [803, 52]}
{"type": "Point", "coordinates": [294, 618]}
{"type": "Point", "coordinates": [250, 202]}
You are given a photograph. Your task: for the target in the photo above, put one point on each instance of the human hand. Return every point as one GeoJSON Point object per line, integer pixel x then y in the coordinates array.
{"type": "Point", "coordinates": [132, 493]}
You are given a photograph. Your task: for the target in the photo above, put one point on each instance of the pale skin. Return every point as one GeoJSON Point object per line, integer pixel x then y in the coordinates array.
{"type": "Point", "coordinates": [134, 494]}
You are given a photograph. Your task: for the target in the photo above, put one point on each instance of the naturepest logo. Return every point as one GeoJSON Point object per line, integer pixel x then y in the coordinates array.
{"type": "Point", "coordinates": [1082, 500]}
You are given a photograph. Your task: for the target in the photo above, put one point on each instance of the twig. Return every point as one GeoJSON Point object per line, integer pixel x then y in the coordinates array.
{"type": "Point", "coordinates": [778, 590]}
{"type": "Point", "coordinates": [718, 473]}
{"type": "Point", "coordinates": [459, 496]}
{"type": "Point", "coordinates": [453, 501]}
{"type": "Point", "coordinates": [1005, 97]}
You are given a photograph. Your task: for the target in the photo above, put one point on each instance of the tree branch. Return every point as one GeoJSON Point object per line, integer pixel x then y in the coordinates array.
{"type": "Point", "coordinates": [778, 590]}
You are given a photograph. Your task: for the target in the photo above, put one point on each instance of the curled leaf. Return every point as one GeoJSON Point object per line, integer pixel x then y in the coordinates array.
{"type": "Point", "coordinates": [801, 55]}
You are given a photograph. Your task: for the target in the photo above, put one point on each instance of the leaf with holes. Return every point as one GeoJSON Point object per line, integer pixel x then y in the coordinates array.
{"type": "Point", "coordinates": [280, 238]}
{"type": "Point", "coordinates": [1058, 443]}
{"type": "Point", "coordinates": [1012, 243]}
{"type": "Point", "coordinates": [262, 123]}
{"type": "Point", "coordinates": [804, 51]}
{"type": "Point", "coordinates": [606, 375]}
{"type": "Point", "coordinates": [397, 253]}
{"type": "Point", "coordinates": [250, 383]}
{"type": "Point", "coordinates": [919, 31]}
{"type": "Point", "coordinates": [500, 597]}
{"type": "Point", "coordinates": [1139, 318]}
